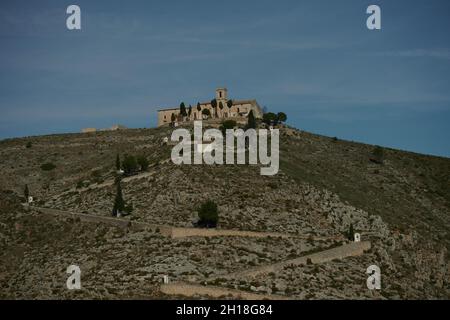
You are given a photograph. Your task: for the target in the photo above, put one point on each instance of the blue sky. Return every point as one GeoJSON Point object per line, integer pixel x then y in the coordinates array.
{"type": "Point", "coordinates": [314, 60]}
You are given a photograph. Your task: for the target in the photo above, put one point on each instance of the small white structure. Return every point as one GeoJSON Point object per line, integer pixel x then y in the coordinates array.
{"type": "Point", "coordinates": [117, 127]}
{"type": "Point", "coordinates": [357, 237]}
{"type": "Point", "coordinates": [175, 124]}
{"type": "Point", "coordinates": [120, 171]}
{"type": "Point", "coordinates": [88, 130]}
{"type": "Point", "coordinates": [166, 140]}
{"type": "Point", "coordinates": [165, 279]}
{"type": "Point", "coordinates": [30, 199]}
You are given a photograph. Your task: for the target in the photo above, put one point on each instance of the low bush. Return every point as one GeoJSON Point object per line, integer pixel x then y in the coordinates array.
{"type": "Point", "coordinates": [48, 166]}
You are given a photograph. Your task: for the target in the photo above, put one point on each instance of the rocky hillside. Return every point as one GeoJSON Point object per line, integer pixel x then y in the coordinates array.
{"type": "Point", "coordinates": [401, 206]}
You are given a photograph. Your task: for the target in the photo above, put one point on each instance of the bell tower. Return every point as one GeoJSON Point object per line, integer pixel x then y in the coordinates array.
{"type": "Point", "coordinates": [221, 94]}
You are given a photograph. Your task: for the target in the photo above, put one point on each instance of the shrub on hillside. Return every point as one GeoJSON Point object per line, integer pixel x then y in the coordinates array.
{"type": "Point", "coordinates": [227, 124]}
{"type": "Point", "coordinates": [208, 214]}
{"type": "Point", "coordinates": [129, 164]}
{"type": "Point", "coordinates": [142, 162]}
{"type": "Point", "coordinates": [377, 155]}
{"type": "Point", "coordinates": [48, 166]}
{"type": "Point", "coordinates": [80, 184]}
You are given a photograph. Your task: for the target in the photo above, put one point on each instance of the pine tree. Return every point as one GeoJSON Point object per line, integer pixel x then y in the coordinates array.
{"type": "Point", "coordinates": [206, 112]}
{"type": "Point", "coordinates": [229, 103]}
{"type": "Point", "coordinates": [281, 117]}
{"type": "Point", "coordinates": [270, 118]}
{"type": "Point", "coordinates": [190, 111]}
{"type": "Point", "coordinates": [199, 108]}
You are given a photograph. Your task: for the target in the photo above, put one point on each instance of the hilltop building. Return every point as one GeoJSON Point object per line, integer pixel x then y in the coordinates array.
{"type": "Point", "coordinates": [224, 108]}
{"type": "Point", "coordinates": [113, 128]}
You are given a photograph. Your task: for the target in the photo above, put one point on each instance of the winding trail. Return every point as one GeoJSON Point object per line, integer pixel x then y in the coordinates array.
{"type": "Point", "coordinates": [165, 230]}
{"type": "Point", "coordinates": [193, 290]}
{"type": "Point", "coordinates": [351, 249]}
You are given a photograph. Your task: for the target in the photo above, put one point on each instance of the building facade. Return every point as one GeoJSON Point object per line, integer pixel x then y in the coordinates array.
{"type": "Point", "coordinates": [225, 108]}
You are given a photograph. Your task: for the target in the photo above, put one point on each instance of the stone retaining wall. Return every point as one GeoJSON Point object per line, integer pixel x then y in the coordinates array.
{"type": "Point", "coordinates": [192, 290]}
{"type": "Point", "coordinates": [197, 232]}
{"type": "Point", "coordinates": [344, 251]}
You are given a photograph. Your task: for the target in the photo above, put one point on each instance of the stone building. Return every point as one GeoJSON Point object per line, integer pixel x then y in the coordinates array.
{"type": "Point", "coordinates": [113, 128]}
{"type": "Point", "coordinates": [239, 110]}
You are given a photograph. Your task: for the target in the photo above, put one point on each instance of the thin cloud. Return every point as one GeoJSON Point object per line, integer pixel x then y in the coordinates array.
{"type": "Point", "coordinates": [417, 53]}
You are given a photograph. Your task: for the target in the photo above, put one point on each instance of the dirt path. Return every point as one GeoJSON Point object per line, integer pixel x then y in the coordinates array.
{"type": "Point", "coordinates": [165, 230]}
{"type": "Point", "coordinates": [193, 290]}
{"type": "Point", "coordinates": [197, 232]}
{"type": "Point", "coordinates": [347, 250]}
{"type": "Point", "coordinates": [111, 182]}
{"type": "Point", "coordinates": [118, 222]}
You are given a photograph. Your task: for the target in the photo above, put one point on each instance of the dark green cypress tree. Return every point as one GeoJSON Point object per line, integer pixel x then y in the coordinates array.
{"type": "Point", "coordinates": [251, 124]}
{"type": "Point", "coordinates": [183, 109]}
{"type": "Point", "coordinates": [351, 233]}
{"type": "Point", "coordinates": [119, 203]}
{"type": "Point", "coordinates": [26, 192]}
{"type": "Point", "coordinates": [118, 162]}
